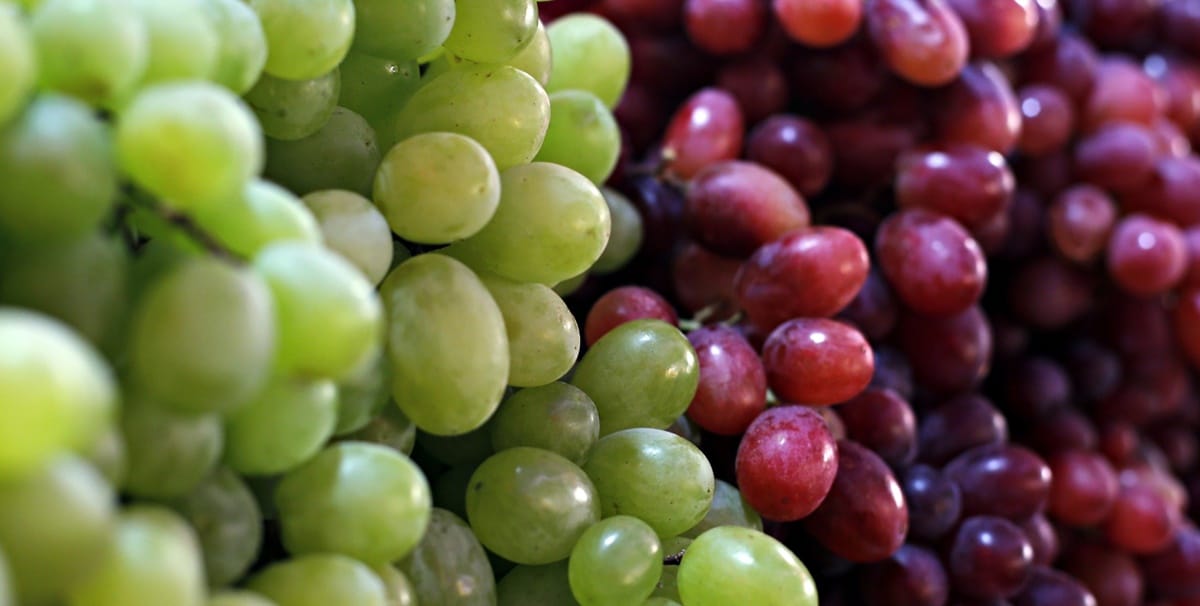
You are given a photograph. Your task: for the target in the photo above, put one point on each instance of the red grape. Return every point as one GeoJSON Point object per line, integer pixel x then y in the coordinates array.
{"type": "Point", "coordinates": [1111, 576]}
{"type": "Point", "coordinates": [704, 280]}
{"type": "Point", "coordinates": [1084, 487]}
{"type": "Point", "coordinates": [1070, 63]}
{"type": "Point", "coordinates": [1142, 519]}
{"type": "Point", "coordinates": [795, 148]}
{"type": "Point", "coordinates": [998, 28]}
{"type": "Point", "coordinates": [968, 183]}
{"type": "Point", "coordinates": [931, 262]}
{"type": "Point", "coordinates": [758, 84]}
{"type": "Point", "coordinates": [948, 355]}
{"type": "Point", "coordinates": [934, 502]}
{"type": "Point", "coordinates": [1049, 587]}
{"type": "Point", "coordinates": [733, 385]}
{"type": "Point", "coordinates": [923, 41]}
{"type": "Point", "coordinates": [990, 558]}
{"type": "Point", "coordinates": [786, 462]}
{"type": "Point", "coordinates": [706, 129]}
{"type": "Point", "coordinates": [958, 425]}
{"type": "Point", "coordinates": [817, 362]}
{"type": "Point", "coordinates": [735, 207]}
{"type": "Point", "coordinates": [979, 108]}
{"type": "Point", "coordinates": [913, 576]}
{"type": "Point", "coordinates": [873, 310]}
{"type": "Point", "coordinates": [1119, 156]}
{"type": "Point", "coordinates": [864, 517]}
{"type": "Point", "coordinates": [725, 27]}
{"type": "Point", "coordinates": [1001, 480]}
{"type": "Point", "coordinates": [1146, 256]}
{"type": "Point", "coordinates": [1047, 119]}
{"type": "Point", "coordinates": [1080, 220]}
{"type": "Point", "coordinates": [625, 304]}
{"type": "Point", "coordinates": [882, 421]}
{"type": "Point", "coordinates": [819, 23]}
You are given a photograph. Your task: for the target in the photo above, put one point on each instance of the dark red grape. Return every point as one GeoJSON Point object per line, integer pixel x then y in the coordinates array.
{"type": "Point", "coordinates": [958, 425]}
{"type": "Point", "coordinates": [1174, 572]}
{"type": "Point", "coordinates": [786, 462]}
{"type": "Point", "coordinates": [948, 355]}
{"type": "Point", "coordinates": [1118, 156]}
{"type": "Point", "coordinates": [1080, 220]}
{"type": "Point", "coordinates": [733, 385]}
{"type": "Point", "coordinates": [704, 280]}
{"type": "Point", "coordinates": [934, 502]}
{"type": "Point", "coordinates": [913, 576]}
{"type": "Point", "coordinates": [1169, 192]}
{"type": "Point", "coordinates": [864, 517]}
{"type": "Point", "coordinates": [1111, 576]}
{"type": "Point", "coordinates": [758, 84]}
{"type": "Point", "coordinates": [922, 41]}
{"type": "Point", "coordinates": [990, 558]}
{"type": "Point", "coordinates": [725, 27]}
{"type": "Point", "coordinates": [1043, 537]}
{"type": "Point", "coordinates": [884, 422]}
{"type": "Point", "coordinates": [966, 182]}
{"type": "Point", "coordinates": [652, 13]}
{"type": "Point", "coordinates": [817, 362]}
{"type": "Point", "coordinates": [1070, 63]}
{"type": "Point", "coordinates": [865, 149]}
{"type": "Point", "coordinates": [1178, 444]}
{"type": "Point", "coordinates": [1036, 386]}
{"type": "Point", "coordinates": [1063, 429]}
{"type": "Point", "coordinates": [873, 310]}
{"type": "Point", "coordinates": [706, 129]}
{"type": "Point", "coordinates": [625, 304]}
{"type": "Point", "coordinates": [819, 23]}
{"type": "Point", "coordinates": [979, 108]}
{"type": "Point", "coordinates": [1114, 22]}
{"type": "Point", "coordinates": [841, 79]}
{"type": "Point", "coordinates": [1146, 256]}
{"type": "Point", "coordinates": [660, 205]}
{"type": "Point", "coordinates": [1047, 119]}
{"type": "Point", "coordinates": [1095, 370]}
{"type": "Point", "coordinates": [1186, 320]}
{"type": "Point", "coordinates": [1084, 487]}
{"type": "Point", "coordinates": [734, 207]}
{"type": "Point", "coordinates": [932, 263]}
{"type": "Point", "coordinates": [1049, 587]}
{"type": "Point", "coordinates": [892, 371]}
{"type": "Point", "coordinates": [795, 148]}
{"type": "Point", "coordinates": [1049, 293]}
{"type": "Point", "coordinates": [1001, 480]}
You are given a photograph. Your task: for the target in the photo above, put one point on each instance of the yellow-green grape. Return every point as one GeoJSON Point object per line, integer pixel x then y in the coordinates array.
{"type": "Point", "coordinates": [390, 428]}
{"type": "Point", "coordinates": [355, 229]}
{"type": "Point", "coordinates": [281, 427]}
{"type": "Point", "coordinates": [436, 188]}
{"type": "Point", "coordinates": [305, 38]}
{"type": "Point", "coordinates": [552, 224]}
{"type": "Point", "coordinates": [376, 88]}
{"type": "Point", "coordinates": [449, 567]}
{"type": "Point", "coordinates": [294, 109]}
{"type": "Point", "coordinates": [155, 561]}
{"type": "Point", "coordinates": [728, 509]}
{"type": "Point", "coordinates": [264, 213]}
{"type": "Point", "coordinates": [341, 155]}
{"type": "Point", "coordinates": [191, 143]}
{"type": "Point", "coordinates": [447, 344]}
{"type": "Point", "coordinates": [543, 337]}
{"type": "Point", "coordinates": [617, 561]}
{"type": "Point", "coordinates": [228, 524]}
{"type": "Point", "coordinates": [557, 417]}
{"type": "Point", "coordinates": [363, 396]}
{"type": "Point", "coordinates": [545, 585]}
{"type": "Point", "coordinates": [626, 236]}
{"type": "Point", "coordinates": [535, 59]}
{"type": "Point", "coordinates": [657, 601]}
{"type": "Point", "coordinates": [667, 588]}
{"type": "Point", "coordinates": [589, 54]}
{"type": "Point", "coordinates": [501, 107]}
{"type": "Point", "coordinates": [583, 135]}
{"type": "Point", "coordinates": [18, 67]}
{"type": "Point", "coordinates": [107, 455]}
{"type": "Point", "coordinates": [238, 598]}
{"type": "Point", "coordinates": [184, 44]}
{"type": "Point", "coordinates": [242, 45]}
{"type": "Point", "coordinates": [398, 590]}
{"type": "Point", "coordinates": [320, 580]}
{"type": "Point", "coordinates": [404, 30]}
{"type": "Point", "coordinates": [169, 453]}
{"type": "Point", "coordinates": [734, 565]}
{"type": "Point", "coordinates": [492, 31]}
{"type": "Point", "coordinates": [566, 287]}
{"type": "Point", "coordinates": [95, 50]}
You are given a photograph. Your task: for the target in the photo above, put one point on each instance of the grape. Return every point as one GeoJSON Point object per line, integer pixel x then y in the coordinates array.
{"type": "Point", "coordinates": [625, 304]}
{"type": "Point", "coordinates": [390, 428]}
{"type": "Point", "coordinates": [626, 234]}
{"type": "Point", "coordinates": [642, 374]}
{"type": "Point", "coordinates": [1118, 157]}
{"type": "Point", "coordinates": [535, 59]}
{"type": "Point", "coordinates": [786, 462]}
{"type": "Point", "coordinates": [447, 345]}
{"type": "Point", "coordinates": [227, 523]}
{"type": "Point", "coordinates": [402, 31]}
{"type": "Point", "coordinates": [589, 54]}
{"type": "Point", "coordinates": [1146, 256]}
{"type": "Point", "coordinates": [1080, 221]}
{"type": "Point", "coordinates": [95, 50]}
{"type": "Point", "coordinates": [203, 337]}
{"type": "Point", "coordinates": [376, 88]}
{"type": "Point", "coordinates": [330, 320]}
{"type": "Point", "coordinates": [731, 565]}
{"type": "Point", "coordinates": [214, 148]}
{"type": "Point", "coordinates": [819, 24]}
{"type": "Point", "coordinates": [634, 467]}
{"type": "Point", "coordinates": [183, 42]}
{"type": "Point", "coordinates": [238, 598]}
{"type": "Point", "coordinates": [168, 454]}
{"type": "Point", "coordinates": [1112, 576]}
{"type": "Point", "coordinates": [1048, 587]}
{"type": "Point", "coordinates": [966, 182]}
{"type": "Point", "coordinates": [958, 425]}
{"type": "Point", "coordinates": [667, 587]}
{"type": "Point", "coordinates": [705, 130]}
{"type": "Point", "coordinates": [56, 152]}
{"type": "Point", "coordinates": [864, 518]}
{"type": "Point", "coordinates": [933, 264]}
{"type": "Point", "coordinates": [470, 448]}
{"type": "Point", "coordinates": [546, 585]}
{"type": "Point", "coordinates": [1142, 520]}
{"type": "Point", "coordinates": [922, 41]}
{"type": "Point", "coordinates": [280, 427]}
{"type": "Point", "coordinates": [729, 508]}
{"type": "Point", "coordinates": [980, 108]}
{"type": "Point", "coordinates": [1001, 480]}
{"type": "Point", "coordinates": [934, 502]}
{"type": "Point", "coordinates": [1043, 537]}
{"type": "Point", "coordinates": [882, 421]}
{"type": "Point", "coordinates": [501, 107]}
{"type": "Point", "coordinates": [491, 31]}
{"type": "Point", "coordinates": [543, 338]}
{"type": "Point", "coordinates": [557, 417]}
{"type": "Point", "coordinates": [437, 187]}
{"type": "Point", "coordinates": [817, 362]}
{"type": "Point", "coordinates": [351, 226]}
{"type": "Point", "coordinates": [529, 505]}
{"type": "Point", "coordinates": [264, 213]}
{"type": "Point", "coordinates": [911, 577]}
{"type": "Point", "coordinates": [107, 454]}
{"type": "Point", "coordinates": [735, 207]}
{"type": "Point", "coordinates": [732, 390]}
{"type": "Point", "coordinates": [363, 397]}
{"type": "Point", "coordinates": [1047, 119]}
{"type": "Point", "coordinates": [18, 66]}
{"type": "Point", "coordinates": [319, 580]}
{"type": "Point", "coordinates": [616, 561]}
{"type": "Point", "coordinates": [155, 561]}
{"type": "Point", "coordinates": [658, 601]}
{"type": "Point", "coordinates": [294, 109]}
{"type": "Point", "coordinates": [562, 220]}
{"type": "Point", "coordinates": [397, 588]}
{"type": "Point", "coordinates": [242, 45]}
{"type": "Point", "coordinates": [793, 147]}
{"type": "Point", "coordinates": [341, 155]}
{"type": "Point", "coordinates": [305, 39]}
{"type": "Point", "coordinates": [449, 566]}
{"type": "Point", "coordinates": [582, 135]}
{"type": "Point", "coordinates": [990, 558]}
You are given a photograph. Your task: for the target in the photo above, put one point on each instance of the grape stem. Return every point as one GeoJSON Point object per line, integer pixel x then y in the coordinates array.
{"type": "Point", "coordinates": [190, 228]}
{"type": "Point", "coordinates": [674, 559]}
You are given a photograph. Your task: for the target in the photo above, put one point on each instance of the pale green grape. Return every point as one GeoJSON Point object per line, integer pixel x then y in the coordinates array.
{"type": "Point", "coordinates": [404, 30]}
{"type": "Point", "coordinates": [228, 524]}
{"type": "Point", "coordinates": [633, 470]}
{"type": "Point", "coordinates": [305, 38]}
{"type": "Point", "coordinates": [471, 447]}
{"type": "Point", "coordinates": [535, 59]}
{"type": "Point", "coordinates": [398, 590]}
{"type": "Point", "coordinates": [391, 428]}
{"type": "Point", "coordinates": [437, 187]}
{"type": "Point", "coordinates": [667, 588]}
{"type": "Point", "coordinates": [728, 509]}
{"type": "Point", "coordinates": [58, 154]}
{"type": "Point", "coordinates": [107, 455]}
{"type": "Point", "coordinates": [557, 417]}
{"type": "Point", "coordinates": [281, 427]}
{"type": "Point", "coordinates": [450, 489]}
{"type": "Point", "coordinates": [184, 44]}
{"type": "Point", "coordinates": [543, 338]}
{"type": "Point", "coordinates": [330, 319]}
{"type": "Point", "coordinates": [354, 498]}
{"type": "Point", "coordinates": [529, 505]}
{"type": "Point", "coordinates": [492, 31]}
{"type": "Point", "coordinates": [449, 567]}
{"type": "Point", "coordinates": [589, 54]}
{"type": "Point", "coordinates": [376, 88]}
{"type": "Point", "coordinates": [734, 565]}
{"type": "Point", "coordinates": [294, 109]}
{"type": "Point", "coordinates": [264, 213]}
{"type": "Point", "coordinates": [627, 233]}
{"type": "Point", "coordinates": [193, 143]}
{"type": "Point", "coordinates": [56, 392]}
{"type": "Point", "coordinates": [203, 337]}
{"type": "Point", "coordinates": [18, 67]}
{"type": "Point", "coordinates": [6, 593]}
{"type": "Point", "coordinates": [341, 155]}
{"type": "Point", "coordinates": [616, 562]}
{"type": "Point", "coordinates": [363, 396]}
{"type": "Point", "coordinates": [156, 561]}
{"type": "Point", "coordinates": [641, 374]}
{"type": "Point", "coordinates": [242, 45]}
{"type": "Point", "coordinates": [542, 585]}
{"type": "Point", "coordinates": [552, 224]}
{"type": "Point", "coordinates": [446, 343]}
{"type": "Point", "coordinates": [583, 135]}
{"type": "Point", "coordinates": [238, 598]}
{"type": "Point", "coordinates": [657, 601]}
{"type": "Point", "coordinates": [355, 229]}
{"type": "Point", "coordinates": [501, 107]}
{"type": "Point", "coordinates": [96, 50]}
{"type": "Point", "coordinates": [320, 580]}
{"type": "Point", "coordinates": [570, 285]}
{"type": "Point", "coordinates": [56, 528]}
{"type": "Point", "coordinates": [169, 454]}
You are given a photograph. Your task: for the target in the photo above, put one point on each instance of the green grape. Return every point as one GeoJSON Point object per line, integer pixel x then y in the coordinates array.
{"type": "Point", "coordinates": [734, 565]}
{"type": "Point", "coordinates": [492, 31]}
{"type": "Point", "coordinates": [184, 44]}
{"type": "Point", "coordinates": [667, 588]}
{"type": "Point", "coordinates": [18, 66]}
{"type": "Point", "coordinates": [192, 143]}
{"type": "Point", "coordinates": [242, 45]}
{"type": "Point", "coordinates": [294, 109]}
{"type": "Point", "coordinates": [616, 562]}
{"type": "Point", "coordinates": [81, 282]}
{"type": "Point", "coordinates": [330, 319]}
{"type": "Point", "coordinates": [529, 505]}
{"type": "Point", "coordinates": [535, 58]}
{"type": "Point", "coordinates": [657, 601]}
{"type": "Point", "coordinates": [56, 392]}
{"type": "Point", "coordinates": [566, 287]}
{"type": "Point", "coordinates": [552, 224]}
{"type": "Point", "coordinates": [238, 598]}
{"type": "Point", "coordinates": [728, 509]}
{"type": "Point", "coordinates": [320, 580]}
{"type": "Point", "coordinates": [501, 107]}
{"type": "Point", "coordinates": [633, 470]}
{"type": "Point", "coordinates": [449, 567]}
{"type": "Point", "coordinates": [641, 374]}
{"type": "Point", "coordinates": [341, 155]}
{"type": "Point", "coordinates": [450, 489]}
{"type": "Point", "coordinates": [471, 447]}
{"type": "Point", "coordinates": [57, 154]}
{"type": "Point", "coordinates": [589, 54]}
{"type": "Point", "coordinates": [203, 337]}
{"type": "Point", "coordinates": [107, 455]}
{"type": "Point", "coordinates": [627, 233]}
{"type": "Point", "coordinates": [543, 338]}
{"type": "Point", "coordinates": [6, 593]}
{"type": "Point", "coordinates": [56, 528]}
{"type": "Point", "coordinates": [305, 38]}
{"type": "Point", "coordinates": [542, 585]}
{"type": "Point", "coordinates": [376, 88]}
{"type": "Point", "coordinates": [169, 453]}
{"type": "Point", "coordinates": [557, 417]}
{"type": "Point", "coordinates": [437, 187]}
{"type": "Point", "coordinates": [281, 427]}
{"type": "Point", "coordinates": [391, 428]}
{"type": "Point", "coordinates": [398, 590]}
{"type": "Point", "coordinates": [228, 524]}
{"type": "Point", "coordinates": [446, 343]}
{"type": "Point", "coordinates": [404, 30]}
{"type": "Point", "coordinates": [362, 397]}
{"type": "Point", "coordinates": [358, 499]}
{"type": "Point", "coordinates": [583, 135]}
{"type": "Point", "coordinates": [95, 50]}
{"type": "Point", "coordinates": [264, 213]}
{"type": "Point", "coordinates": [355, 229]}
